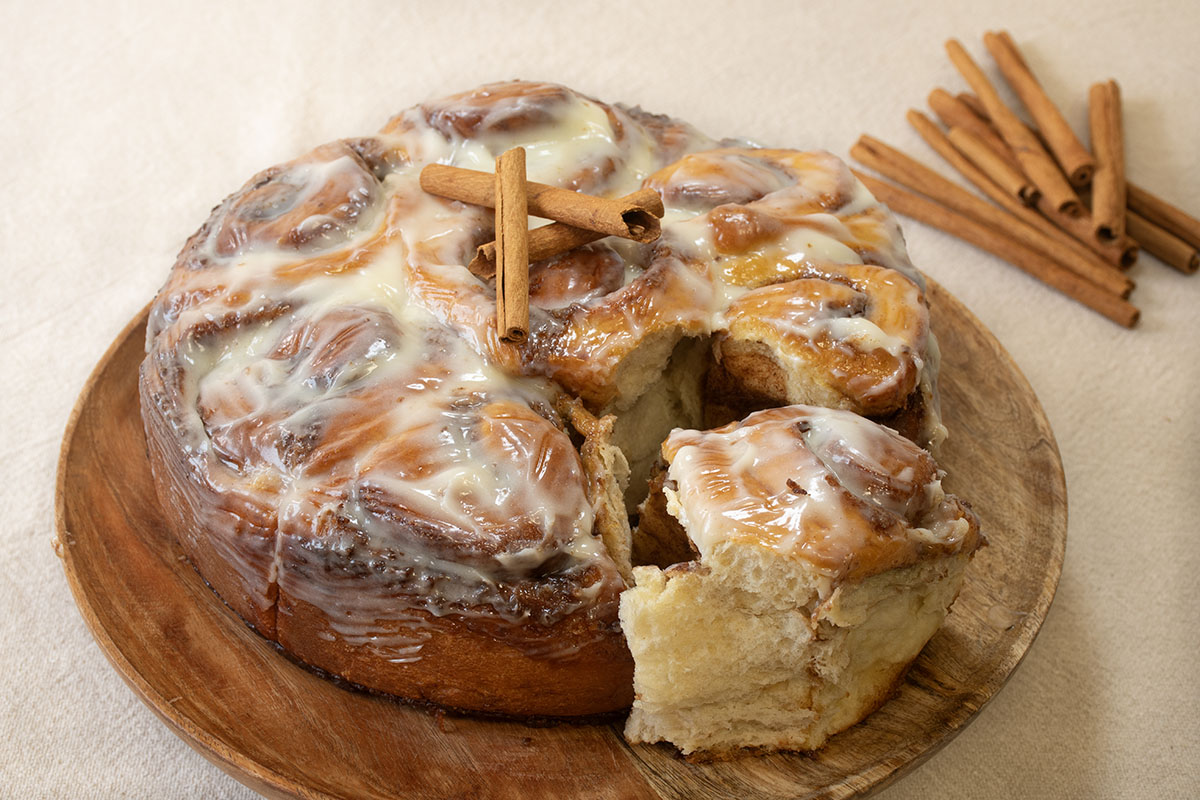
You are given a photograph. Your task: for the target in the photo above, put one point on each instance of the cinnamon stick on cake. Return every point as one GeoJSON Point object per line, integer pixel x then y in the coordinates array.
{"type": "Point", "coordinates": [559, 237]}
{"type": "Point", "coordinates": [579, 218]}
{"type": "Point", "coordinates": [512, 247]}
{"type": "Point", "coordinates": [634, 217]}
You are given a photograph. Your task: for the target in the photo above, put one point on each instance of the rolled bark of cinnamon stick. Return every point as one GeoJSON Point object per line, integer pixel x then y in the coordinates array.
{"type": "Point", "coordinates": [1035, 161]}
{"type": "Point", "coordinates": [1162, 244]}
{"type": "Point", "coordinates": [974, 106]}
{"type": "Point", "coordinates": [512, 247]}
{"type": "Point", "coordinates": [1108, 142]}
{"type": "Point", "coordinates": [551, 240]}
{"type": "Point", "coordinates": [1083, 260]}
{"type": "Point", "coordinates": [1076, 161]}
{"type": "Point", "coordinates": [638, 221]}
{"type": "Point", "coordinates": [1009, 178]}
{"type": "Point", "coordinates": [1121, 252]}
{"type": "Point", "coordinates": [545, 242]}
{"type": "Point", "coordinates": [1030, 261]}
{"type": "Point", "coordinates": [954, 112]}
{"type": "Point", "coordinates": [911, 173]}
{"type": "Point", "coordinates": [1163, 214]}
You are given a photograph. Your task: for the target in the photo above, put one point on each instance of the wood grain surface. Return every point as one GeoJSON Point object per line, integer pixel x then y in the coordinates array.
{"type": "Point", "coordinates": [286, 732]}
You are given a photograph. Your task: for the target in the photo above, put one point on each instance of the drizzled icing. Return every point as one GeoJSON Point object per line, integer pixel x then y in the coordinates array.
{"type": "Point", "coordinates": [323, 364]}
{"type": "Point", "coordinates": [850, 497]}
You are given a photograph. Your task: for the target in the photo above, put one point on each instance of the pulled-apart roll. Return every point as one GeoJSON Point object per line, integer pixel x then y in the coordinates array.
{"type": "Point", "coordinates": [364, 471]}
{"type": "Point", "coordinates": [824, 556]}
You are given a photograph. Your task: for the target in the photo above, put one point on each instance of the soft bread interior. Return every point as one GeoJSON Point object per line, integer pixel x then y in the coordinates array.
{"type": "Point", "coordinates": [736, 652]}
{"type": "Point", "coordinates": [671, 398]}
{"type": "Point", "coordinates": [753, 363]}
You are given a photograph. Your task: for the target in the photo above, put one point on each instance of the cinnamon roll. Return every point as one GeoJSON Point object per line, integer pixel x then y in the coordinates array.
{"type": "Point", "coordinates": [824, 555]}
{"type": "Point", "coordinates": [368, 475]}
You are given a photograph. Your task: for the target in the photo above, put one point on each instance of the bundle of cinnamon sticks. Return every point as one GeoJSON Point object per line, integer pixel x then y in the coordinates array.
{"type": "Point", "coordinates": [578, 219]}
{"type": "Point", "coordinates": [1059, 211]}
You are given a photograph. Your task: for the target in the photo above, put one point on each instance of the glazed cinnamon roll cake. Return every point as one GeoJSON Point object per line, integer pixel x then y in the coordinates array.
{"type": "Point", "coordinates": [370, 477]}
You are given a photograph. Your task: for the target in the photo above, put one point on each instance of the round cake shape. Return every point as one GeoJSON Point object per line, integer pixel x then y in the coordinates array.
{"type": "Point", "coordinates": [363, 470]}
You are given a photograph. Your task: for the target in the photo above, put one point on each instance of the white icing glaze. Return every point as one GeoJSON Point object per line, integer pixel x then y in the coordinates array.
{"type": "Point", "coordinates": [342, 374]}
{"type": "Point", "coordinates": [835, 489]}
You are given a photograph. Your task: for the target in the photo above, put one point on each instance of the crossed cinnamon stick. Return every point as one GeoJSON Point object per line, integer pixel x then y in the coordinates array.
{"type": "Point", "coordinates": [579, 219]}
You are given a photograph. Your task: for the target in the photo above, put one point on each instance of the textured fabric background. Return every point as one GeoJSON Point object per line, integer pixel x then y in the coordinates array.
{"type": "Point", "coordinates": [121, 125]}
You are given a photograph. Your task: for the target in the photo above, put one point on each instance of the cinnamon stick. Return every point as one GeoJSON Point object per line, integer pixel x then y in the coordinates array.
{"type": "Point", "coordinates": [1034, 263]}
{"type": "Point", "coordinates": [1163, 214]}
{"type": "Point", "coordinates": [1035, 161]}
{"type": "Point", "coordinates": [933, 135]}
{"type": "Point", "coordinates": [955, 112]}
{"type": "Point", "coordinates": [558, 237]}
{"type": "Point", "coordinates": [609, 216]}
{"type": "Point", "coordinates": [1080, 253]}
{"type": "Point", "coordinates": [1108, 185]}
{"type": "Point", "coordinates": [544, 242]}
{"type": "Point", "coordinates": [974, 106]}
{"type": "Point", "coordinates": [911, 173]}
{"type": "Point", "coordinates": [1162, 244]}
{"type": "Point", "coordinates": [1008, 177]}
{"type": "Point", "coordinates": [1076, 161]}
{"type": "Point", "coordinates": [512, 246]}
{"type": "Point", "coordinates": [1120, 252]}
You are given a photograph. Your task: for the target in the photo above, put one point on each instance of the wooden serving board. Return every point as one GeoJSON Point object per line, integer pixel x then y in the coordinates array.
{"type": "Point", "coordinates": [288, 733]}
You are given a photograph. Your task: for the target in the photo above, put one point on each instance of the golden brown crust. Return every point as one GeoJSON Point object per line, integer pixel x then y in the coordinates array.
{"type": "Point", "coordinates": [659, 538]}
{"type": "Point", "coordinates": [596, 679]}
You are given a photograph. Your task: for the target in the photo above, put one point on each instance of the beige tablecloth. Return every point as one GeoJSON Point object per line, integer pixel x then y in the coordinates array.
{"type": "Point", "coordinates": [121, 127]}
